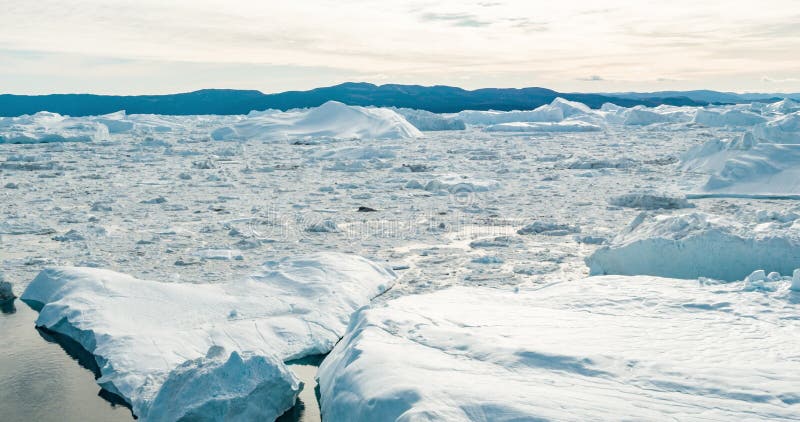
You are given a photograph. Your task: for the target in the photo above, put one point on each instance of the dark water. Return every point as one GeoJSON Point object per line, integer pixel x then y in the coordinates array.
{"type": "Point", "coordinates": [45, 377]}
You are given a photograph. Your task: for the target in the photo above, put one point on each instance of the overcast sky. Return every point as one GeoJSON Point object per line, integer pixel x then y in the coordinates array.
{"type": "Point", "coordinates": [149, 46]}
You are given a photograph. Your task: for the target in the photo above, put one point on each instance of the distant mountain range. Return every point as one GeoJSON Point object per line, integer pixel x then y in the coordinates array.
{"type": "Point", "coordinates": [711, 97]}
{"type": "Point", "coordinates": [438, 99]}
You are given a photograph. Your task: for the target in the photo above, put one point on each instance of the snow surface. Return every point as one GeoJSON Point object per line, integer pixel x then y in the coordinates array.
{"type": "Point", "coordinates": [176, 350]}
{"type": "Point", "coordinates": [603, 348]}
{"type": "Point", "coordinates": [699, 245]}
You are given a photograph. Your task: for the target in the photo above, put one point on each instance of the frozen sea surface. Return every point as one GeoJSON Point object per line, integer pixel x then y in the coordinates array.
{"type": "Point", "coordinates": [158, 199]}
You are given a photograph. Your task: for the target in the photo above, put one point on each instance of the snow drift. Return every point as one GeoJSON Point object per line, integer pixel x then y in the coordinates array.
{"type": "Point", "coordinates": [210, 351]}
{"type": "Point", "coordinates": [330, 120]}
{"type": "Point", "coordinates": [698, 245]}
{"type": "Point", "coordinates": [644, 347]}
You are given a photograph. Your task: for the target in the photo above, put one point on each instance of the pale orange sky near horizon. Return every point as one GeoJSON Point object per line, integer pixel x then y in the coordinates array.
{"type": "Point", "coordinates": [134, 47]}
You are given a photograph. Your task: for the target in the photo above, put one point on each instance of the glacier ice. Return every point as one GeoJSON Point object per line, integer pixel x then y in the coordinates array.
{"type": "Point", "coordinates": [172, 349]}
{"type": "Point", "coordinates": [330, 120]}
{"type": "Point", "coordinates": [727, 118]}
{"type": "Point", "coordinates": [427, 121]}
{"type": "Point", "coordinates": [562, 126]}
{"type": "Point", "coordinates": [698, 245]}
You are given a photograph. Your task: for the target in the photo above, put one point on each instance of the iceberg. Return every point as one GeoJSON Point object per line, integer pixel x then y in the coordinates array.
{"type": "Point", "coordinates": [784, 130]}
{"type": "Point", "coordinates": [647, 348]}
{"type": "Point", "coordinates": [698, 245]}
{"type": "Point", "coordinates": [426, 121]}
{"type": "Point", "coordinates": [747, 167]}
{"type": "Point", "coordinates": [330, 120]}
{"type": "Point", "coordinates": [45, 127]}
{"type": "Point", "coordinates": [183, 350]}
{"type": "Point", "coordinates": [733, 117]}
{"type": "Point", "coordinates": [784, 106]}
{"type": "Point", "coordinates": [563, 126]}
{"type": "Point", "coordinates": [545, 113]}
{"type": "Point", "coordinates": [642, 117]}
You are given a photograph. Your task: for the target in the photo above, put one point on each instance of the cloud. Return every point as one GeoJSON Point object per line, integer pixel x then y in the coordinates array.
{"type": "Point", "coordinates": [456, 19]}
{"type": "Point", "coordinates": [528, 24]}
{"type": "Point", "coordinates": [593, 78]}
{"type": "Point", "coordinates": [769, 80]}
{"type": "Point", "coordinates": [719, 44]}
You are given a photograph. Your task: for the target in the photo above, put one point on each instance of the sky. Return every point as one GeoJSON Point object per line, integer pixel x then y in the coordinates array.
{"type": "Point", "coordinates": [154, 47]}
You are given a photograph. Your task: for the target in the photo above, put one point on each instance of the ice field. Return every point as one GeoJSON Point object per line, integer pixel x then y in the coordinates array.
{"type": "Point", "coordinates": [562, 263]}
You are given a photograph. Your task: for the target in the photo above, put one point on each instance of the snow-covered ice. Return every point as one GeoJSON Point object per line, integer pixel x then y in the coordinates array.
{"type": "Point", "coordinates": [562, 126]}
{"type": "Point", "coordinates": [699, 245]}
{"type": "Point", "coordinates": [427, 121]}
{"type": "Point", "coordinates": [761, 163]}
{"type": "Point", "coordinates": [602, 348]}
{"type": "Point", "coordinates": [727, 118]}
{"type": "Point", "coordinates": [330, 120]}
{"type": "Point", "coordinates": [175, 350]}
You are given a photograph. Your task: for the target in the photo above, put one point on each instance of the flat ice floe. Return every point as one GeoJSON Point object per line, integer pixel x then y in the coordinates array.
{"type": "Point", "coordinates": [700, 245]}
{"type": "Point", "coordinates": [602, 348]}
{"type": "Point", "coordinates": [175, 350]}
{"type": "Point", "coordinates": [330, 120]}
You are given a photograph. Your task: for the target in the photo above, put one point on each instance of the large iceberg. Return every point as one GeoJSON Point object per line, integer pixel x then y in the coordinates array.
{"type": "Point", "coordinates": [699, 245]}
{"type": "Point", "coordinates": [603, 348]}
{"type": "Point", "coordinates": [783, 130]}
{"type": "Point", "coordinates": [45, 127]}
{"type": "Point", "coordinates": [563, 126]}
{"type": "Point", "coordinates": [216, 351]}
{"type": "Point", "coordinates": [427, 121]}
{"type": "Point", "coordinates": [545, 113]}
{"type": "Point", "coordinates": [761, 163]}
{"type": "Point", "coordinates": [330, 120]}
{"type": "Point", "coordinates": [730, 117]}
{"type": "Point", "coordinates": [556, 111]}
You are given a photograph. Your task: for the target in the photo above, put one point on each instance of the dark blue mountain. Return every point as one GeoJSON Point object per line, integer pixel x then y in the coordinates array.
{"type": "Point", "coordinates": [712, 97]}
{"type": "Point", "coordinates": [439, 99]}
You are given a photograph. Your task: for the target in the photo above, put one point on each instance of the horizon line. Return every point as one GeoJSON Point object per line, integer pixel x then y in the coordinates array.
{"type": "Point", "coordinates": [609, 93]}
